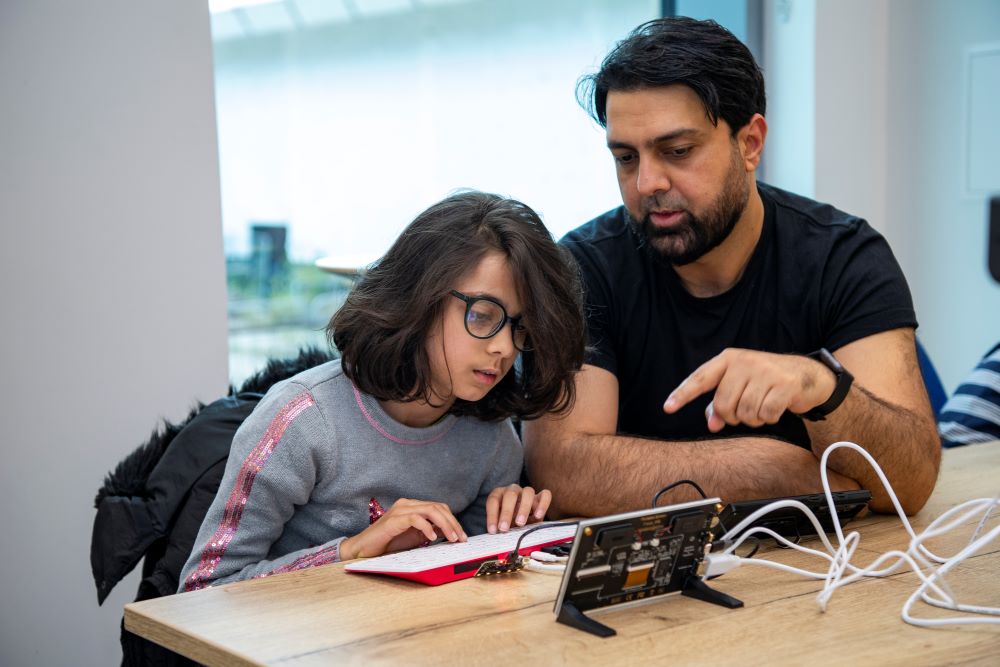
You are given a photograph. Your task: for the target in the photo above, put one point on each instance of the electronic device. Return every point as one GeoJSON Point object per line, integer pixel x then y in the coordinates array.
{"type": "Point", "coordinates": [791, 522]}
{"type": "Point", "coordinates": [635, 557]}
{"type": "Point", "coordinates": [451, 561]}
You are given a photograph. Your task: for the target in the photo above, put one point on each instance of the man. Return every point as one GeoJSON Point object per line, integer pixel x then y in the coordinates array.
{"type": "Point", "coordinates": [705, 294]}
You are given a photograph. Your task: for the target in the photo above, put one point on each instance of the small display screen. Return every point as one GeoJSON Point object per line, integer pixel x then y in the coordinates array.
{"type": "Point", "coordinates": [637, 555]}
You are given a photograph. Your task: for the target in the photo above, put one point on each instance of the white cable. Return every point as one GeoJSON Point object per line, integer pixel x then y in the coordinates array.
{"type": "Point", "coordinates": [933, 588]}
{"type": "Point", "coordinates": [982, 522]}
{"type": "Point", "coordinates": [776, 505]}
{"type": "Point", "coordinates": [547, 568]}
{"type": "Point", "coordinates": [950, 603]}
{"type": "Point", "coordinates": [541, 561]}
{"type": "Point", "coordinates": [781, 566]}
{"type": "Point", "coordinates": [916, 552]}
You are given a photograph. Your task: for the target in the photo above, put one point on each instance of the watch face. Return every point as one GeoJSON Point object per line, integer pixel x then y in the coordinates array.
{"type": "Point", "coordinates": [830, 361]}
{"type": "Point", "coordinates": [844, 380]}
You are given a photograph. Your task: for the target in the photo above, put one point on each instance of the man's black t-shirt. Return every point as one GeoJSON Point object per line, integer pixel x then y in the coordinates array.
{"type": "Point", "coordinates": [817, 278]}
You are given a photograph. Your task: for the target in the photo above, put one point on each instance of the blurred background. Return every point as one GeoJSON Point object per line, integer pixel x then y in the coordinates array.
{"type": "Point", "coordinates": [171, 171]}
{"type": "Point", "coordinates": [340, 121]}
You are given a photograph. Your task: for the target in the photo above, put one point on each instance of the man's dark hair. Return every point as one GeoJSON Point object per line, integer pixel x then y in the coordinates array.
{"type": "Point", "coordinates": [382, 328]}
{"type": "Point", "coordinates": [701, 55]}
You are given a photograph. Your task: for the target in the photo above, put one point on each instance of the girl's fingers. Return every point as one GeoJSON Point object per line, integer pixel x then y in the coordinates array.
{"type": "Point", "coordinates": [493, 509]}
{"type": "Point", "coordinates": [424, 526]}
{"type": "Point", "coordinates": [508, 504]}
{"type": "Point", "coordinates": [436, 514]}
{"type": "Point", "coordinates": [440, 515]}
{"type": "Point", "coordinates": [541, 506]}
{"type": "Point", "coordinates": [524, 505]}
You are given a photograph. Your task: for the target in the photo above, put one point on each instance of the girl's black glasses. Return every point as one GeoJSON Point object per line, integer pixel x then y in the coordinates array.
{"type": "Point", "coordinates": [485, 317]}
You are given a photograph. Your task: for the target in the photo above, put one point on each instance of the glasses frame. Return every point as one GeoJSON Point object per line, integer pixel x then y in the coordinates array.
{"type": "Point", "coordinates": [514, 321]}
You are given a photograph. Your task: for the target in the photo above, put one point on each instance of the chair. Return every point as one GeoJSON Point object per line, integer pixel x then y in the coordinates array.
{"type": "Point", "coordinates": [935, 390]}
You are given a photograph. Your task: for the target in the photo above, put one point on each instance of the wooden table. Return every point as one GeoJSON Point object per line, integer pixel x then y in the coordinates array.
{"type": "Point", "coordinates": [326, 616]}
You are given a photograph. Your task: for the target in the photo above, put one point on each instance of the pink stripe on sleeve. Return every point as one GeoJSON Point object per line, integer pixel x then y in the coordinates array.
{"type": "Point", "coordinates": [321, 557]}
{"type": "Point", "coordinates": [252, 465]}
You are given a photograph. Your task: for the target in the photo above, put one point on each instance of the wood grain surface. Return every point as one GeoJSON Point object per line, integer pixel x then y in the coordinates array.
{"type": "Point", "coordinates": [326, 616]}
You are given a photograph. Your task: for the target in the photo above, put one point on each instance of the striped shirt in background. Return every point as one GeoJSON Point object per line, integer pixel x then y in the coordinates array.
{"type": "Point", "coordinates": [972, 414]}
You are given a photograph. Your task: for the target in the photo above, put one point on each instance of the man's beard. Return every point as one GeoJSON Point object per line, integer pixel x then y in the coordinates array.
{"type": "Point", "coordinates": [696, 235]}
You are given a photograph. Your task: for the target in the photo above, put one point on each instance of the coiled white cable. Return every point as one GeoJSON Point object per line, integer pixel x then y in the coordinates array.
{"type": "Point", "coordinates": [840, 572]}
{"type": "Point", "coordinates": [540, 561]}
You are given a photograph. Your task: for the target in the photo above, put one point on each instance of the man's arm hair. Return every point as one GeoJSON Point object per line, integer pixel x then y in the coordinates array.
{"type": "Point", "coordinates": [591, 471]}
{"type": "Point", "coordinates": [886, 412]}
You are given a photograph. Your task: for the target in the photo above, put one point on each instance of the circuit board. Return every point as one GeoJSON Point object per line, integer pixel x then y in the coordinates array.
{"type": "Point", "coordinates": [637, 555]}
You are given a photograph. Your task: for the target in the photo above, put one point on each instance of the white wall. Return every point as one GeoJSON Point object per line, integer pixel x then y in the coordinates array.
{"type": "Point", "coordinates": [929, 147]}
{"type": "Point", "coordinates": [852, 108]}
{"type": "Point", "coordinates": [893, 144]}
{"type": "Point", "coordinates": [113, 286]}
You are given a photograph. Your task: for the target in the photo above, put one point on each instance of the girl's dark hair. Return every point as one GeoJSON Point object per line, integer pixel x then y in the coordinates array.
{"type": "Point", "coordinates": [701, 55]}
{"type": "Point", "coordinates": [382, 328]}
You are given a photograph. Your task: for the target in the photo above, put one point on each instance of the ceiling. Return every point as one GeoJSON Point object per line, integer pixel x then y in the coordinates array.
{"type": "Point", "coordinates": [236, 19]}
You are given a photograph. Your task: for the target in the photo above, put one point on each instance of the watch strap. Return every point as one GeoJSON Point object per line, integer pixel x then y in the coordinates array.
{"type": "Point", "coordinates": [840, 390]}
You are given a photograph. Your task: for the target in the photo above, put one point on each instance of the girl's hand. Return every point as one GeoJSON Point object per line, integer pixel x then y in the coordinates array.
{"type": "Point", "coordinates": [404, 525]}
{"type": "Point", "coordinates": [512, 502]}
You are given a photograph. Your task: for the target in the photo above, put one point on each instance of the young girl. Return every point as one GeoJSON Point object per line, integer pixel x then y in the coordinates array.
{"type": "Point", "coordinates": [415, 415]}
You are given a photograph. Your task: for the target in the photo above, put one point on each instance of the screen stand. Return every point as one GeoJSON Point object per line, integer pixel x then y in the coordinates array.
{"type": "Point", "coordinates": [696, 588]}
{"type": "Point", "coordinates": [573, 617]}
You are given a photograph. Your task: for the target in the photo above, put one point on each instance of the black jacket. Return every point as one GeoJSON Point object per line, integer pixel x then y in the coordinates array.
{"type": "Point", "coordinates": [161, 521]}
{"type": "Point", "coordinates": [153, 504]}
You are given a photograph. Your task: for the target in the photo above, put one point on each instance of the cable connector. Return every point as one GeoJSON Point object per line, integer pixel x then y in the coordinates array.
{"type": "Point", "coordinates": [721, 545]}
{"type": "Point", "coordinates": [717, 564]}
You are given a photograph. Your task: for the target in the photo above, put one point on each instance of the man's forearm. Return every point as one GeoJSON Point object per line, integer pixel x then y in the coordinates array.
{"type": "Point", "coordinates": [613, 473]}
{"type": "Point", "coordinates": [904, 443]}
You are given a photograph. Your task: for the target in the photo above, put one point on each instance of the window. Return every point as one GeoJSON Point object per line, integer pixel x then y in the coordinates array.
{"type": "Point", "coordinates": [340, 120]}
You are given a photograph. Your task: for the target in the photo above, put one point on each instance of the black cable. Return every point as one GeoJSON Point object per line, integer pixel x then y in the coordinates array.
{"type": "Point", "coordinates": [756, 546]}
{"type": "Point", "coordinates": [512, 556]}
{"type": "Point", "coordinates": [798, 538]}
{"type": "Point", "coordinates": [676, 484]}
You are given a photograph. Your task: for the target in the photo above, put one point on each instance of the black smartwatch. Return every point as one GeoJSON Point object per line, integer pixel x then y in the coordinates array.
{"type": "Point", "coordinates": [844, 380]}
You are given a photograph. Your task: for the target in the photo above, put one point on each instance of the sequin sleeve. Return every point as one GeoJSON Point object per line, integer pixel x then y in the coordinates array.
{"type": "Point", "coordinates": [271, 470]}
